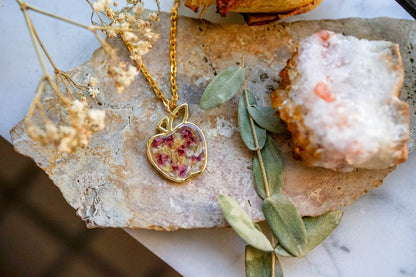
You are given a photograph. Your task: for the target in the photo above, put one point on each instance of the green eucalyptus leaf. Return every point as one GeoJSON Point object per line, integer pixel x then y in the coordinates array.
{"type": "Point", "coordinates": [242, 224]}
{"type": "Point", "coordinates": [286, 223]}
{"type": "Point", "coordinates": [259, 263]}
{"type": "Point", "coordinates": [318, 228]}
{"type": "Point", "coordinates": [279, 250]}
{"type": "Point", "coordinates": [273, 166]}
{"type": "Point", "coordinates": [265, 117]}
{"type": "Point", "coordinates": [223, 87]}
{"type": "Point", "coordinates": [257, 226]}
{"type": "Point", "coordinates": [245, 125]}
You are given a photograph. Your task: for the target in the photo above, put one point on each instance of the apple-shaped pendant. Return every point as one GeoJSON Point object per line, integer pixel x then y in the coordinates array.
{"type": "Point", "coordinates": [180, 152]}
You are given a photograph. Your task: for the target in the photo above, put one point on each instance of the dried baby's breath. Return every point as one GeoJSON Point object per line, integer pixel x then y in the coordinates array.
{"type": "Point", "coordinates": [78, 121]}
{"type": "Point", "coordinates": [101, 5]}
{"type": "Point", "coordinates": [138, 9]}
{"type": "Point", "coordinates": [154, 17]}
{"type": "Point", "coordinates": [81, 123]}
{"type": "Point", "coordinates": [135, 28]}
{"type": "Point", "coordinates": [123, 75]}
{"type": "Point", "coordinates": [93, 92]}
{"type": "Point", "coordinates": [92, 82]}
{"type": "Point", "coordinates": [92, 88]}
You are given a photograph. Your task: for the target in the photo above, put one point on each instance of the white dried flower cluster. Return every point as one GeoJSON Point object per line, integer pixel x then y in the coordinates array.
{"type": "Point", "coordinates": [92, 88]}
{"type": "Point", "coordinates": [123, 75]}
{"type": "Point", "coordinates": [135, 28]}
{"type": "Point", "coordinates": [83, 123]}
{"type": "Point", "coordinates": [138, 9]}
{"type": "Point", "coordinates": [154, 17]}
{"type": "Point", "coordinates": [101, 5]}
{"type": "Point", "coordinates": [140, 48]}
{"type": "Point", "coordinates": [110, 33]}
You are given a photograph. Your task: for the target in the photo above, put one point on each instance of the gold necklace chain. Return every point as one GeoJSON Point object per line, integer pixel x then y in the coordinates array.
{"type": "Point", "coordinates": [169, 104]}
{"type": "Point", "coordinates": [173, 166]}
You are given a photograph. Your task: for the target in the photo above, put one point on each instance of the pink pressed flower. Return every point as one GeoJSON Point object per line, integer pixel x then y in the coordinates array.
{"type": "Point", "coordinates": [169, 141]}
{"type": "Point", "coordinates": [181, 150]}
{"type": "Point", "coordinates": [157, 141]}
{"type": "Point", "coordinates": [161, 158]}
{"type": "Point", "coordinates": [180, 170]}
{"type": "Point", "coordinates": [188, 136]}
{"type": "Point", "coordinates": [198, 159]}
{"type": "Point", "coordinates": [186, 132]}
{"type": "Point", "coordinates": [190, 140]}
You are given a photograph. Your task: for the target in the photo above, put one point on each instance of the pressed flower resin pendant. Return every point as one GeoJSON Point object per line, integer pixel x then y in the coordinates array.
{"type": "Point", "coordinates": [180, 152]}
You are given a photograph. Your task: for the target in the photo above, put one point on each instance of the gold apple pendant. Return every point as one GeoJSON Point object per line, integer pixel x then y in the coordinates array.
{"type": "Point", "coordinates": [177, 152]}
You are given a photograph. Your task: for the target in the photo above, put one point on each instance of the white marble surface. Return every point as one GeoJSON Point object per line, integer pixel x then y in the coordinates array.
{"type": "Point", "coordinates": [377, 236]}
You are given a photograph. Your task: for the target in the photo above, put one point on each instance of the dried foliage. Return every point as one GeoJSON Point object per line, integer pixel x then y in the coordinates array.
{"type": "Point", "coordinates": [134, 25]}
{"type": "Point", "coordinates": [77, 120]}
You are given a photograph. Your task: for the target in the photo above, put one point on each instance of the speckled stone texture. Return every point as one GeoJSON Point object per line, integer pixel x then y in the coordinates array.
{"type": "Point", "coordinates": [112, 184]}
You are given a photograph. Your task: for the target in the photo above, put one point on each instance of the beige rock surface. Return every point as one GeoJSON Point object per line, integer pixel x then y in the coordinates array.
{"type": "Point", "coordinates": [111, 183]}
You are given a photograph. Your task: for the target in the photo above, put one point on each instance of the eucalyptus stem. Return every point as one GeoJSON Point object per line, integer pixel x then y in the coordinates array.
{"type": "Point", "coordinates": [263, 171]}
{"type": "Point", "coordinates": [256, 142]}
{"type": "Point", "coordinates": [258, 150]}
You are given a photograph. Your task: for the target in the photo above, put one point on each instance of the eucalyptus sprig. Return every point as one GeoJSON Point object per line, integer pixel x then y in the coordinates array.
{"type": "Point", "coordinates": [292, 235]}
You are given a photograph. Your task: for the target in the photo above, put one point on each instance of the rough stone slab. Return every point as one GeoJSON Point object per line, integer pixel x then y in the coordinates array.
{"type": "Point", "coordinates": [111, 184]}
